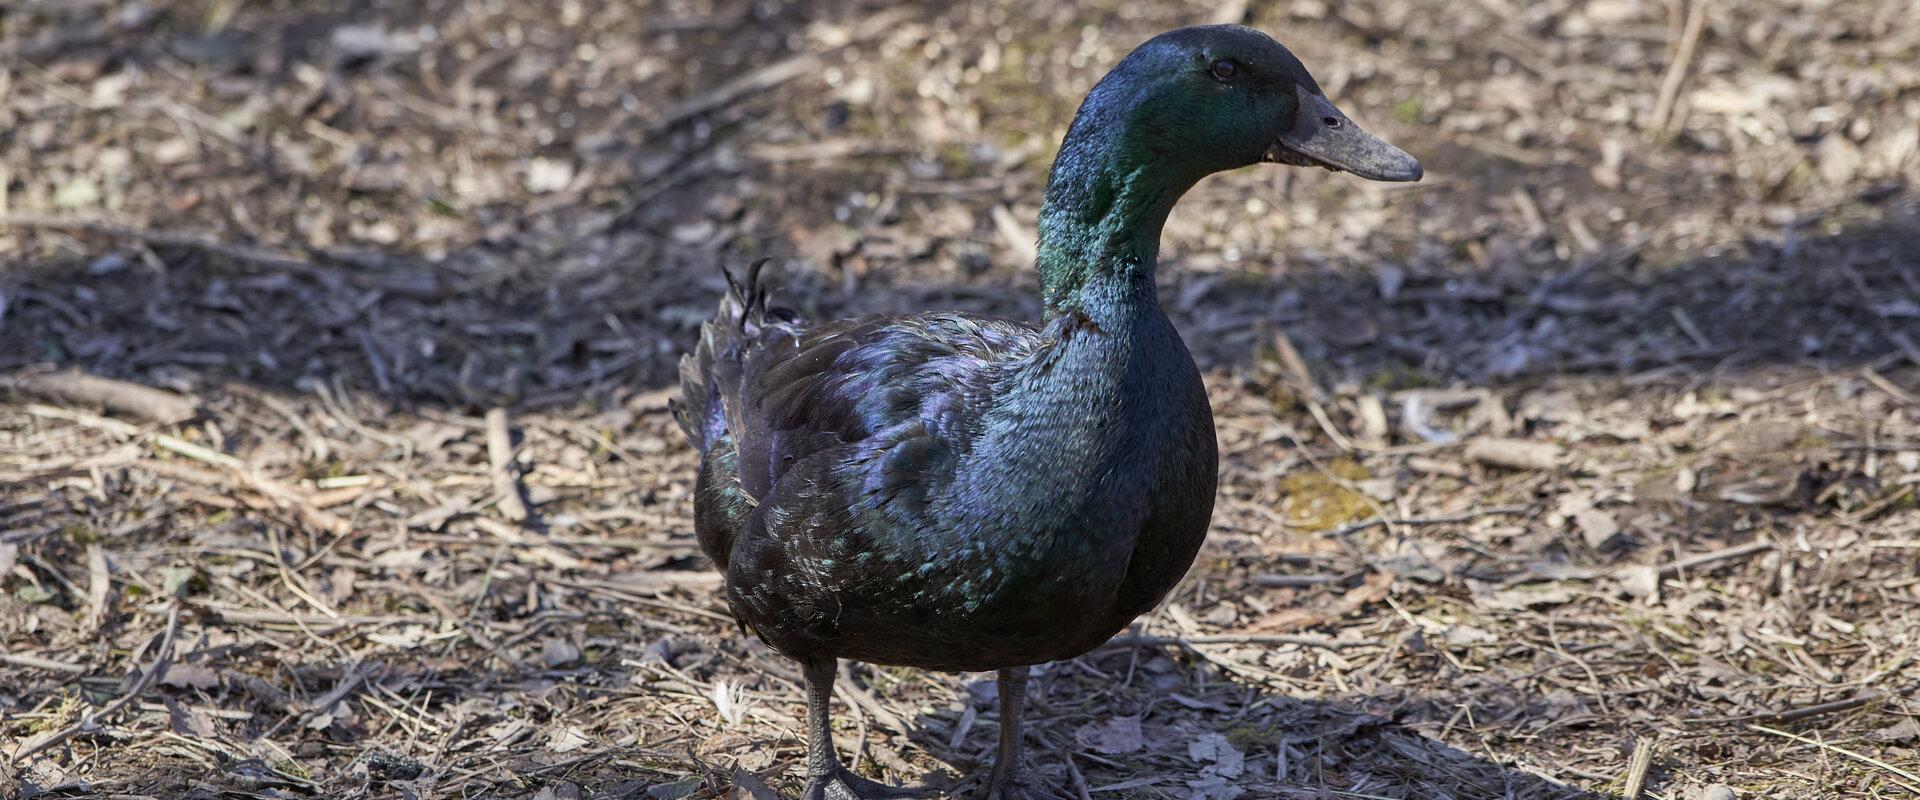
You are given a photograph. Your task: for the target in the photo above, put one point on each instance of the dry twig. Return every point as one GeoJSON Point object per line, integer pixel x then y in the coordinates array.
{"type": "Point", "coordinates": [126, 397]}
{"type": "Point", "coordinates": [1679, 64]}
{"type": "Point", "coordinates": [1132, 640]}
{"type": "Point", "coordinates": [36, 662]}
{"type": "Point", "coordinates": [1911, 784]}
{"type": "Point", "coordinates": [500, 455]}
{"type": "Point", "coordinates": [1443, 519]}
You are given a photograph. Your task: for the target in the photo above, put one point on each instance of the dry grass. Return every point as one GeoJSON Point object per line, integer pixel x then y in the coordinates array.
{"type": "Point", "coordinates": [1605, 439]}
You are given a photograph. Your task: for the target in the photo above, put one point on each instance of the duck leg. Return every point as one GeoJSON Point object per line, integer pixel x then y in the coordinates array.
{"type": "Point", "coordinates": [827, 779]}
{"type": "Point", "coordinates": [1010, 778]}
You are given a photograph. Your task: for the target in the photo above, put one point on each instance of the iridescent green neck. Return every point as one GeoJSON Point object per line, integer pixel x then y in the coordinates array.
{"type": "Point", "coordinates": [1107, 199]}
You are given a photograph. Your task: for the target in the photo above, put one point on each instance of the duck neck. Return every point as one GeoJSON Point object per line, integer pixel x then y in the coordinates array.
{"type": "Point", "coordinates": [1118, 362]}
{"type": "Point", "coordinates": [1106, 202]}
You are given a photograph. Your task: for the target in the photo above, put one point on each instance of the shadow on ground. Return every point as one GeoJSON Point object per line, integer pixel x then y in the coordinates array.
{"type": "Point", "coordinates": [1134, 713]}
{"type": "Point", "coordinates": [409, 335]}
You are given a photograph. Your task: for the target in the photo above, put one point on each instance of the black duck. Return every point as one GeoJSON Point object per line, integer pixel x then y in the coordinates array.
{"type": "Point", "coordinates": [956, 492]}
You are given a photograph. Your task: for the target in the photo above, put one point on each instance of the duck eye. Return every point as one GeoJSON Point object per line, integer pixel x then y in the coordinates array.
{"type": "Point", "coordinates": [1224, 69]}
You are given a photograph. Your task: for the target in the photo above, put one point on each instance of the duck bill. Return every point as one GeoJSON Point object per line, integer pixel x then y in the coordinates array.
{"type": "Point", "coordinates": [1322, 136]}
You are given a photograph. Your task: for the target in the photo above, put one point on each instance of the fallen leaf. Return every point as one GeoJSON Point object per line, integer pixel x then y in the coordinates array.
{"type": "Point", "coordinates": [505, 732]}
{"type": "Point", "coordinates": [568, 739]}
{"type": "Point", "coordinates": [748, 786]}
{"type": "Point", "coordinates": [1525, 596]}
{"type": "Point", "coordinates": [1468, 634]}
{"type": "Point", "coordinates": [1906, 730]}
{"type": "Point", "coordinates": [190, 676]}
{"type": "Point", "coordinates": [1112, 736]}
{"type": "Point", "coordinates": [564, 790]}
{"type": "Point", "coordinates": [1226, 760]}
{"type": "Point", "coordinates": [557, 653]}
{"type": "Point", "coordinates": [1371, 590]}
{"type": "Point", "coordinates": [1213, 789]}
{"type": "Point", "coordinates": [1597, 527]}
{"type": "Point", "coordinates": [406, 637]}
{"type": "Point", "coordinates": [177, 581]}
{"type": "Point", "coordinates": [674, 790]}
{"type": "Point", "coordinates": [186, 721]}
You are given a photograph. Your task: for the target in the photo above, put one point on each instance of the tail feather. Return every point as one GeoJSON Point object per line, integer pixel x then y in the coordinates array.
{"type": "Point", "coordinates": [738, 320]}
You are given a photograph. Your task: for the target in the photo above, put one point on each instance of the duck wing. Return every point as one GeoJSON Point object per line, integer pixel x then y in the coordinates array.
{"type": "Point", "coordinates": [824, 446]}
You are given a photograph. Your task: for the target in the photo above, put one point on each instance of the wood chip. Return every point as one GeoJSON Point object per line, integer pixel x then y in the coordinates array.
{"type": "Point", "coordinates": [1516, 453]}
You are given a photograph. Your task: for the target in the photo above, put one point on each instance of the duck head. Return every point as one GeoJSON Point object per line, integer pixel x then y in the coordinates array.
{"type": "Point", "coordinates": [1218, 97]}
{"type": "Point", "coordinates": [1182, 106]}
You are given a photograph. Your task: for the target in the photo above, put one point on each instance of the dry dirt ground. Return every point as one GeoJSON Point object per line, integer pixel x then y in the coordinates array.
{"type": "Point", "coordinates": [1604, 440]}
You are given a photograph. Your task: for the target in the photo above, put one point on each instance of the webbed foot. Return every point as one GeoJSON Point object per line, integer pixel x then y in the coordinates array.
{"type": "Point", "coordinates": [840, 784]}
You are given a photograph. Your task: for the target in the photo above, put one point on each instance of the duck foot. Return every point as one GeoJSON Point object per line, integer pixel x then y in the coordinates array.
{"type": "Point", "coordinates": [840, 784]}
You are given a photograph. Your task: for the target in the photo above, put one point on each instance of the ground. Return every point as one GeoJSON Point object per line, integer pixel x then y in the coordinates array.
{"type": "Point", "coordinates": [1603, 440]}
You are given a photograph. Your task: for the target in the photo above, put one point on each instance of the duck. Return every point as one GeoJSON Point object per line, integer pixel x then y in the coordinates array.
{"type": "Point", "coordinates": [956, 492]}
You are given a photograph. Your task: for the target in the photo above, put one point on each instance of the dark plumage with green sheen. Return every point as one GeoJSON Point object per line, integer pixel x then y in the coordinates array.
{"type": "Point", "coordinates": [956, 492]}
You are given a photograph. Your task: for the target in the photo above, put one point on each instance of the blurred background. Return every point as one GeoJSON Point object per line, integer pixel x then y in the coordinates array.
{"type": "Point", "coordinates": [1632, 379]}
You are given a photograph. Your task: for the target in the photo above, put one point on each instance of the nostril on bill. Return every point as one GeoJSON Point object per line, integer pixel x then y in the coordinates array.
{"type": "Point", "coordinates": [1332, 122]}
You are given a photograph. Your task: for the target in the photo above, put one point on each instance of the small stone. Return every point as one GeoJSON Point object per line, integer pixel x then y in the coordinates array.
{"type": "Point", "coordinates": [546, 175]}
{"type": "Point", "coordinates": [107, 264]}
